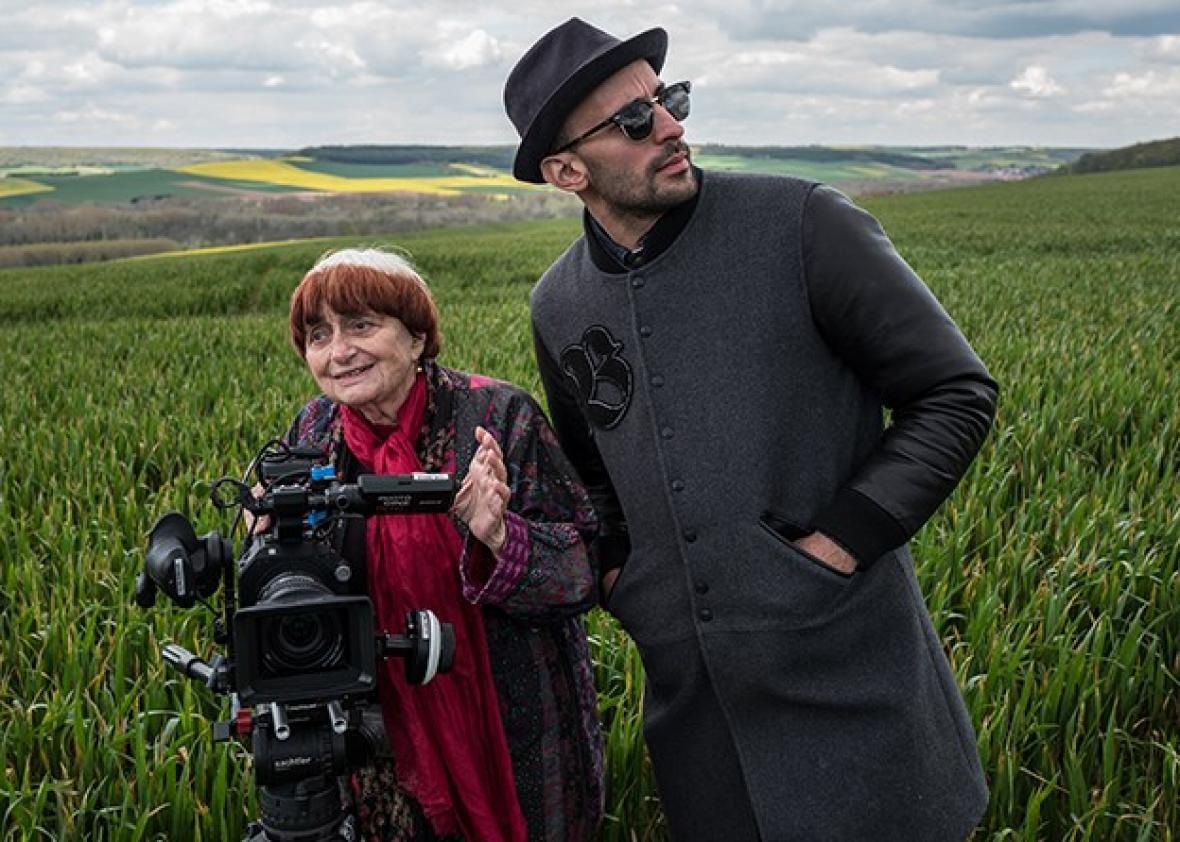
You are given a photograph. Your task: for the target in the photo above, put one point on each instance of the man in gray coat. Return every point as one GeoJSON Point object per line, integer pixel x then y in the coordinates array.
{"type": "Point", "coordinates": [717, 351]}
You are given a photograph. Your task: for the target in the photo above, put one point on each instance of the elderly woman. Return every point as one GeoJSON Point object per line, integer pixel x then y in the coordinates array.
{"type": "Point", "coordinates": [505, 746]}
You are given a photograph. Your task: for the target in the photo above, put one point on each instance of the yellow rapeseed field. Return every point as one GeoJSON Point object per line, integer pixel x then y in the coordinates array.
{"type": "Point", "coordinates": [282, 172]}
{"type": "Point", "coordinates": [20, 186]}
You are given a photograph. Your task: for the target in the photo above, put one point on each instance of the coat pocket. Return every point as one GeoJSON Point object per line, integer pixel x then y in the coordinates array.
{"type": "Point", "coordinates": [614, 588]}
{"type": "Point", "coordinates": [788, 533]}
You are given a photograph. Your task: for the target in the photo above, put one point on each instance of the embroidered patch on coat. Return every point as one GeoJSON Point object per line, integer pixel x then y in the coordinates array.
{"type": "Point", "coordinates": [603, 376]}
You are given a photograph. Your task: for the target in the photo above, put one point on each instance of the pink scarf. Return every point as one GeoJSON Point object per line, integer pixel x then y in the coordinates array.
{"type": "Point", "coordinates": [448, 740]}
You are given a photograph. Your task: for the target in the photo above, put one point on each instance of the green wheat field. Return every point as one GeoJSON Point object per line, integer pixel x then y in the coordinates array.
{"type": "Point", "coordinates": [1052, 572]}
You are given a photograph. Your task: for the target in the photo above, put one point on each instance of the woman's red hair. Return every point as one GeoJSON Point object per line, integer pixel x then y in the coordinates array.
{"type": "Point", "coordinates": [353, 282]}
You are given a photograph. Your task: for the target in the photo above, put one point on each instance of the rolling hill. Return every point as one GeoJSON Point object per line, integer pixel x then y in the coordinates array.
{"type": "Point", "coordinates": [1156, 153]}
{"type": "Point", "coordinates": [29, 174]}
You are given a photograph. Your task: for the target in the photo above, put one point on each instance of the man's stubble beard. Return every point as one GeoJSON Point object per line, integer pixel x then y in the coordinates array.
{"type": "Point", "coordinates": [643, 198]}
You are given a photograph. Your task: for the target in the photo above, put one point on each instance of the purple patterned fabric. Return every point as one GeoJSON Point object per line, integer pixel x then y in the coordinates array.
{"type": "Point", "coordinates": [512, 564]}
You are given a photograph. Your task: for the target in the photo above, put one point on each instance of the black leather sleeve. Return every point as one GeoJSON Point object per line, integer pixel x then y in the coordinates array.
{"type": "Point", "coordinates": [612, 544]}
{"type": "Point", "coordinates": [878, 316]}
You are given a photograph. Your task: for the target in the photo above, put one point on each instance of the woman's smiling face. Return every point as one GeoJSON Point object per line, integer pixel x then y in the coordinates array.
{"type": "Point", "coordinates": [364, 360]}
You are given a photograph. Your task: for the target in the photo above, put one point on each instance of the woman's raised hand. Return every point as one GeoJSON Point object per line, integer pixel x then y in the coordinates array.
{"type": "Point", "coordinates": [483, 497]}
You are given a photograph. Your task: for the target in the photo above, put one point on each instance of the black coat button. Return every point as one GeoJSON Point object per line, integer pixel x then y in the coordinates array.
{"type": "Point", "coordinates": [637, 282]}
{"type": "Point", "coordinates": [657, 380]}
{"type": "Point", "coordinates": [702, 588]}
{"type": "Point", "coordinates": [690, 535]}
{"type": "Point", "coordinates": [706, 615]}
{"type": "Point", "coordinates": [677, 485]}
{"type": "Point", "coordinates": [645, 331]}
{"type": "Point", "coordinates": [667, 432]}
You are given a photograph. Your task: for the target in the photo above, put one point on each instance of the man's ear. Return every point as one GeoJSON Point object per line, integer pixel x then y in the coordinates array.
{"type": "Point", "coordinates": [565, 171]}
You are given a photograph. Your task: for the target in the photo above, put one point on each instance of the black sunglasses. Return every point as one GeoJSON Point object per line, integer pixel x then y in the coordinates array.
{"type": "Point", "coordinates": [638, 117]}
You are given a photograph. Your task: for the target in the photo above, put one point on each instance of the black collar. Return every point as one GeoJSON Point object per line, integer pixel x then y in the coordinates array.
{"type": "Point", "coordinates": [614, 259]}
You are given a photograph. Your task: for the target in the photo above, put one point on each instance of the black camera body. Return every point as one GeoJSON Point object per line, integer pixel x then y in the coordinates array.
{"type": "Point", "coordinates": [302, 646]}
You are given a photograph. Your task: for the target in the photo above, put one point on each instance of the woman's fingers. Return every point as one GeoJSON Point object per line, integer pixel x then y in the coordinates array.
{"type": "Point", "coordinates": [488, 441]}
{"type": "Point", "coordinates": [490, 455]}
{"type": "Point", "coordinates": [256, 526]}
{"type": "Point", "coordinates": [483, 496]}
{"type": "Point", "coordinates": [463, 496]}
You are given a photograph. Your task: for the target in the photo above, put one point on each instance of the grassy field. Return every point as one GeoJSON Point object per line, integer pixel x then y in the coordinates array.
{"type": "Point", "coordinates": [1053, 572]}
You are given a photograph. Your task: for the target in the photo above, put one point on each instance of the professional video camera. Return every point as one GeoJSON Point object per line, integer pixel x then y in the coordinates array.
{"type": "Point", "coordinates": [300, 666]}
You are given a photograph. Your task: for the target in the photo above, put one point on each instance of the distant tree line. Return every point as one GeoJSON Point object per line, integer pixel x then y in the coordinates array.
{"type": "Point", "coordinates": [1157, 153]}
{"type": "Point", "coordinates": [191, 223]}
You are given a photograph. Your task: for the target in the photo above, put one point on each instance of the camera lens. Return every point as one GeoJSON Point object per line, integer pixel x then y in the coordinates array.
{"type": "Point", "coordinates": [307, 637]}
{"type": "Point", "coordinates": [300, 633]}
{"type": "Point", "coordinates": [304, 642]}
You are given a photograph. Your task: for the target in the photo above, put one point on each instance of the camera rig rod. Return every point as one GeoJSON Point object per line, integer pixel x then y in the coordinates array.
{"type": "Point", "coordinates": [278, 718]}
{"type": "Point", "coordinates": [215, 676]}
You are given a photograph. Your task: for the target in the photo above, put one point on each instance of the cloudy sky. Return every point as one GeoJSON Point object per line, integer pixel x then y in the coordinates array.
{"type": "Point", "coordinates": [290, 73]}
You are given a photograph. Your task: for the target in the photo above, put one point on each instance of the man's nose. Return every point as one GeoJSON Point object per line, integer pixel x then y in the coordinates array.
{"type": "Point", "coordinates": [666, 126]}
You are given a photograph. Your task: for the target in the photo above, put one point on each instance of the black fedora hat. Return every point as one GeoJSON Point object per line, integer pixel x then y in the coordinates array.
{"type": "Point", "coordinates": [557, 73]}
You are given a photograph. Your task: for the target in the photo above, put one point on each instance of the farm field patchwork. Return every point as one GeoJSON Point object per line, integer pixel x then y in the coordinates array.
{"type": "Point", "coordinates": [271, 171]}
{"type": "Point", "coordinates": [348, 170]}
{"type": "Point", "coordinates": [1052, 573]}
{"type": "Point", "coordinates": [112, 175]}
{"type": "Point", "coordinates": [249, 176]}
{"type": "Point", "coordinates": [134, 185]}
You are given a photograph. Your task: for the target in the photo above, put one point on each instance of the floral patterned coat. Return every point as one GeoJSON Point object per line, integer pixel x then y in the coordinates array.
{"type": "Point", "coordinates": [532, 599]}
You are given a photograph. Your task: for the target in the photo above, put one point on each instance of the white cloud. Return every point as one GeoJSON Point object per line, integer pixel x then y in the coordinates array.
{"type": "Point", "coordinates": [1035, 81]}
{"type": "Point", "coordinates": [979, 100]}
{"type": "Point", "coordinates": [1098, 106]}
{"type": "Point", "coordinates": [998, 19]}
{"type": "Point", "coordinates": [20, 93]}
{"type": "Point", "coordinates": [476, 49]}
{"type": "Point", "coordinates": [915, 108]}
{"type": "Point", "coordinates": [1148, 85]}
{"type": "Point", "coordinates": [336, 58]}
{"type": "Point", "coordinates": [769, 58]}
{"type": "Point", "coordinates": [897, 79]}
{"type": "Point", "coordinates": [1166, 48]}
{"type": "Point", "coordinates": [299, 72]}
{"type": "Point", "coordinates": [92, 114]}
{"type": "Point", "coordinates": [196, 34]}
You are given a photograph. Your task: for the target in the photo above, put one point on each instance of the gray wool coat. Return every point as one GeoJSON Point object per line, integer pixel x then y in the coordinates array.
{"type": "Point", "coordinates": [720, 401]}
